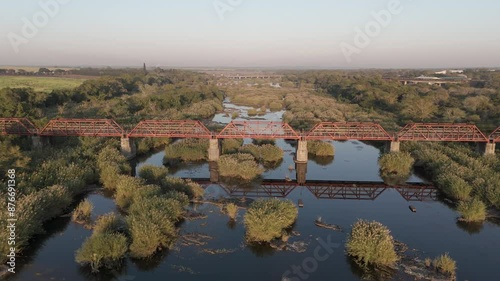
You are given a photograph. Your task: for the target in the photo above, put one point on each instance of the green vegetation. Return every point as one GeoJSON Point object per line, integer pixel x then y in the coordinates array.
{"type": "Point", "coordinates": [231, 210]}
{"type": "Point", "coordinates": [263, 153]}
{"type": "Point", "coordinates": [151, 224]}
{"type": "Point", "coordinates": [275, 106]}
{"type": "Point", "coordinates": [153, 174]}
{"type": "Point", "coordinates": [472, 211]}
{"type": "Point", "coordinates": [458, 172]}
{"type": "Point", "coordinates": [146, 145]}
{"type": "Point", "coordinates": [39, 84]}
{"type": "Point", "coordinates": [83, 211]}
{"type": "Point", "coordinates": [445, 264]}
{"type": "Point", "coordinates": [102, 250]}
{"type": "Point", "coordinates": [320, 148]}
{"type": "Point", "coordinates": [265, 220]}
{"type": "Point", "coordinates": [399, 163]}
{"type": "Point", "coordinates": [371, 243]}
{"type": "Point", "coordinates": [187, 150]}
{"type": "Point", "coordinates": [239, 165]}
{"type": "Point", "coordinates": [111, 164]}
{"type": "Point", "coordinates": [108, 223]}
{"type": "Point", "coordinates": [235, 115]}
{"type": "Point", "coordinates": [231, 145]}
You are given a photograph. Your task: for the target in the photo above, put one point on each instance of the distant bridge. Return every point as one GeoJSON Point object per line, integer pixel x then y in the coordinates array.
{"type": "Point", "coordinates": [336, 131]}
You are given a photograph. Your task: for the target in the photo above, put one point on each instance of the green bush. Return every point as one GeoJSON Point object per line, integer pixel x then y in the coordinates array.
{"type": "Point", "coordinates": [145, 145]}
{"type": "Point", "coordinates": [454, 186]}
{"type": "Point", "coordinates": [472, 211]}
{"type": "Point", "coordinates": [396, 163]}
{"type": "Point", "coordinates": [111, 165]}
{"type": "Point", "coordinates": [445, 264]}
{"type": "Point", "coordinates": [148, 237]}
{"type": "Point", "coordinates": [275, 106]}
{"type": "Point", "coordinates": [108, 223]}
{"type": "Point", "coordinates": [187, 150]}
{"type": "Point", "coordinates": [83, 211]}
{"type": "Point", "coordinates": [153, 174]}
{"type": "Point", "coordinates": [191, 189]}
{"type": "Point", "coordinates": [231, 210]}
{"type": "Point", "coordinates": [263, 153]}
{"type": "Point", "coordinates": [320, 148]}
{"type": "Point", "coordinates": [265, 220]}
{"type": "Point", "coordinates": [239, 166]}
{"type": "Point", "coordinates": [252, 112]}
{"type": "Point", "coordinates": [235, 115]}
{"type": "Point", "coordinates": [231, 145]}
{"type": "Point", "coordinates": [151, 224]}
{"type": "Point", "coordinates": [102, 250]}
{"type": "Point", "coordinates": [371, 243]}
{"type": "Point", "coordinates": [126, 188]}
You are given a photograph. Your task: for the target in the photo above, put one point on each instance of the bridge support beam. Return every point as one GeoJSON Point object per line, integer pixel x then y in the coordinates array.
{"type": "Point", "coordinates": [213, 150]}
{"type": "Point", "coordinates": [128, 148]}
{"type": "Point", "coordinates": [486, 148]}
{"type": "Point", "coordinates": [301, 153]}
{"type": "Point", "coordinates": [393, 146]}
{"type": "Point", "coordinates": [301, 172]}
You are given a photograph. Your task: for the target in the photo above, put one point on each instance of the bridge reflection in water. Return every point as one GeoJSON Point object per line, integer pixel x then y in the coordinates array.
{"type": "Point", "coordinates": [336, 190]}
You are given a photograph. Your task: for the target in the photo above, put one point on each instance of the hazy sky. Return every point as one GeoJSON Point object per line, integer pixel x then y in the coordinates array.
{"type": "Point", "coordinates": [250, 33]}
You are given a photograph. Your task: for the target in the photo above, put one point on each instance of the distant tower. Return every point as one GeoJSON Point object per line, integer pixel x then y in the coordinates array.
{"type": "Point", "coordinates": [145, 72]}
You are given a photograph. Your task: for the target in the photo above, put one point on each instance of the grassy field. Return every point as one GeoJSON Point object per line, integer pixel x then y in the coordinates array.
{"type": "Point", "coordinates": [45, 84]}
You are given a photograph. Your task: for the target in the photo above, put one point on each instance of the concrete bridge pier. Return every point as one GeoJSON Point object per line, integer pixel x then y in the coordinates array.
{"type": "Point", "coordinates": [128, 148]}
{"type": "Point", "coordinates": [301, 172]}
{"type": "Point", "coordinates": [213, 150]}
{"type": "Point", "coordinates": [393, 146]}
{"type": "Point", "coordinates": [486, 148]}
{"type": "Point", "coordinates": [301, 153]}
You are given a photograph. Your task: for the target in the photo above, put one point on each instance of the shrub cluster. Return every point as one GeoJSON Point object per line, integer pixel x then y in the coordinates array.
{"type": "Point", "coordinates": [473, 210]}
{"type": "Point", "coordinates": [102, 250]}
{"type": "Point", "coordinates": [187, 150]}
{"type": "Point", "coordinates": [445, 264]}
{"type": "Point", "coordinates": [231, 145]}
{"type": "Point", "coordinates": [83, 211]}
{"type": "Point", "coordinates": [396, 163]}
{"type": "Point", "coordinates": [263, 153]}
{"type": "Point", "coordinates": [320, 148]}
{"type": "Point", "coordinates": [459, 173]}
{"type": "Point", "coordinates": [239, 165]}
{"type": "Point", "coordinates": [111, 164]}
{"type": "Point", "coordinates": [266, 220]}
{"type": "Point", "coordinates": [371, 243]}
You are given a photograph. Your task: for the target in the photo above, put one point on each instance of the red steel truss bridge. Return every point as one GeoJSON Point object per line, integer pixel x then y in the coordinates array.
{"type": "Point", "coordinates": [363, 131]}
{"type": "Point", "coordinates": [334, 190]}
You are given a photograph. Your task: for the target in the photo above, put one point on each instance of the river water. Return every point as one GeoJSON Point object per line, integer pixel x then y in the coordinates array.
{"type": "Point", "coordinates": [431, 231]}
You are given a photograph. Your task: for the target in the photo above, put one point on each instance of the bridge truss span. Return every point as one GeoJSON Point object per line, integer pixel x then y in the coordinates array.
{"type": "Point", "coordinates": [82, 128]}
{"type": "Point", "coordinates": [258, 130]}
{"type": "Point", "coordinates": [170, 129]}
{"type": "Point", "coordinates": [17, 126]}
{"type": "Point", "coordinates": [348, 131]}
{"type": "Point", "coordinates": [441, 132]}
{"type": "Point", "coordinates": [495, 136]}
